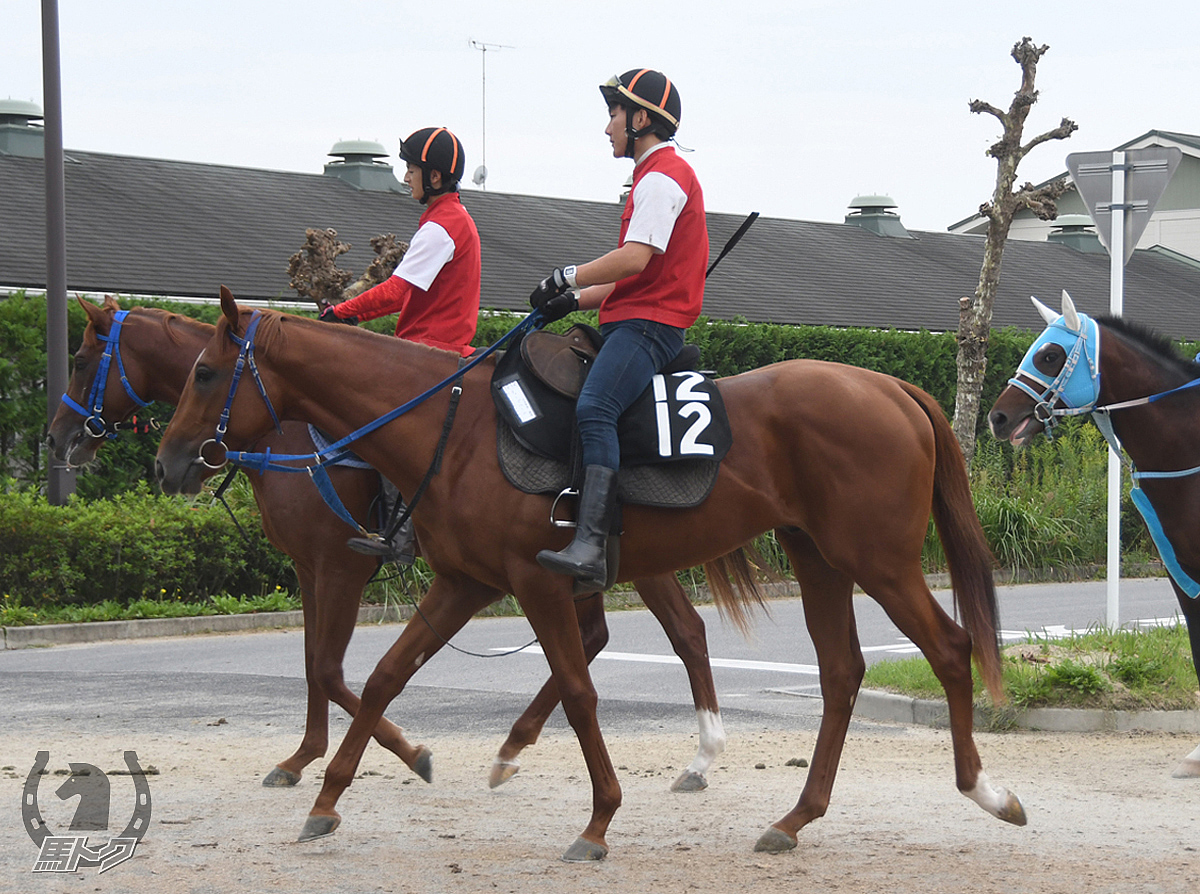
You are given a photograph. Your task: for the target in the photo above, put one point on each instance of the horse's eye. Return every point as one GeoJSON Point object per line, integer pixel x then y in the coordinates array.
{"type": "Point", "coordinates": [204, 374]}
{"type": "Point", "coordinates": [1050, 356]}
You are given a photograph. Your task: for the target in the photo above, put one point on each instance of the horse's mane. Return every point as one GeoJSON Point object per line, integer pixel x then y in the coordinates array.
{"type": "Point", "coordinates": [1154, 343]}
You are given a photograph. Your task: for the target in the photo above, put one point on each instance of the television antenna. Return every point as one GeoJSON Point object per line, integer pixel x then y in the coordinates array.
{"type": "Point", "coordinates": [480, 175]}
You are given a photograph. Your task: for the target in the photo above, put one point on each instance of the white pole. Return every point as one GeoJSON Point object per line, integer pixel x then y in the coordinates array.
{"type": "Point", "coordinates": [1116, 297]}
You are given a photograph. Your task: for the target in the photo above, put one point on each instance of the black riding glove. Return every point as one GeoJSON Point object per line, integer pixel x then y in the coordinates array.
{"type": "Point", "coordinates": [328, 316]}
{"type": "Point", "coordinates": [554, 285]}
{"type": "Point", "coordinates": [559, 306]}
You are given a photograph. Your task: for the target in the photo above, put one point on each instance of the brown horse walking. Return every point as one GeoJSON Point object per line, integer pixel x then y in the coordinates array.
{"type": "Point", "coordinates": [845, 464]}
{"type": "Point", "coordinates": [1123, 373]}
{"type": "Point", "coordinates": [157, 351]}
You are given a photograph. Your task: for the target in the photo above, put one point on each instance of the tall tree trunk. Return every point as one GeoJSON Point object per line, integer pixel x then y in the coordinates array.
{"type": "Point", "coordinates": [975, 313]}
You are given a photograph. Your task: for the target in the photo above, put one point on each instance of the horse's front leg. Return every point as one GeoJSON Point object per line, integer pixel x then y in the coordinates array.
{"type": "Point", "coordinates": [589, 610]}
{"type": "Point", "coordinates": [1189, 767]}
{"type": "Point", "coordinates": [684, 627]}
{"type": "Point", "coordinates": [446, 607]}
{"type": "Point", "coordinates": [546, 600]}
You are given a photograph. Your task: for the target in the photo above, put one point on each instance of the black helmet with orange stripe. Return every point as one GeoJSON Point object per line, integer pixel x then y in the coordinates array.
{"type": "Point", "coordinates": [435, 149]}
{"type": "Point", "coordinates": [645, 88]}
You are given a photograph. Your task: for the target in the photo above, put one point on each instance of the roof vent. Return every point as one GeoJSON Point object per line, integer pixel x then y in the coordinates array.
{"type": "Point", "coordinates": [19, 134]}
{"type": "Point", "coordinates": [357, 166]}
{"type": "Point", "coordinates": [871, 213]}
{"type": "Point", "coordinates": [1076, 231]}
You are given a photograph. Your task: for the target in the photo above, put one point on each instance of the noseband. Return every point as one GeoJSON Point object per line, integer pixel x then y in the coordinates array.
{"type": "Point", "coordinates": [94, 422]}
{"type": "Point", "coordinates": [245, 359]}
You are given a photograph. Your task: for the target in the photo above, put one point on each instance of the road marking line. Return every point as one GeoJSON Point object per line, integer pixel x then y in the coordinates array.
{"type": "Point", "coordinates": [735, 663]}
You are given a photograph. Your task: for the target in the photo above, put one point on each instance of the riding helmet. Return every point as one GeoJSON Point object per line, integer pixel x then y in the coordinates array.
{"type": "Point", "coordinates": [435, 149]}
{"type": "Point", "coordinates": [645, 88]}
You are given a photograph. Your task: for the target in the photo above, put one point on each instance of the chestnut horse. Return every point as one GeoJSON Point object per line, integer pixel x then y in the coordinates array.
{"type": "Point", "coordinates": [155, 350]}
{"type": "Point", "coordinates": [1142, 393]}
{"type": "Point", "coordinates": [845, 464]}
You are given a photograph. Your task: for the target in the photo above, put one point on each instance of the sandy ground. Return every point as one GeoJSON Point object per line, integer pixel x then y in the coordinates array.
{"type": "Point", "coordinates": [1104, 816]}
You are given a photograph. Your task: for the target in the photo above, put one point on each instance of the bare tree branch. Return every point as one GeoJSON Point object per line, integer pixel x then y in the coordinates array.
{"type": "Point", "coordinates": [1062, 132]}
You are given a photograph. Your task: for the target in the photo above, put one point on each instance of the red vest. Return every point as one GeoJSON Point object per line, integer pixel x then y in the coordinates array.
{"type": "Point", "coordinates": [671, 288]}
{"type": "Point", "coordinates": [445, 315]}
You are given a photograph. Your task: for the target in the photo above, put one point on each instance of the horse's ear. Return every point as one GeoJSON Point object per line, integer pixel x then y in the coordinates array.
{"type": "Point", "coordinates": [99, 318]}
{"type": "Point", "coordinates": [1070, 316]}
{"type": "Point", "coordinates": [1047, 314]}
{"type": "Point", "coordinates": [110, 303]}
{"type": "Point", "coordinates": [229, 308]}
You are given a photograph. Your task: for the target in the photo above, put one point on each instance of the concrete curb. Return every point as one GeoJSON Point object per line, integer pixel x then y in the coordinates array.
{"type": "Point", "coordinates": [103, 631]}
{"type": "Point", "coordinates": [889, 707]}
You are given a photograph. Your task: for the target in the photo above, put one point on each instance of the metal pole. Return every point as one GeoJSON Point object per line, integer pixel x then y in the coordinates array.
{"type": "Point", "coordinates": [60, 482]}
{"type": "Point", "coordinates": [1116, 302]}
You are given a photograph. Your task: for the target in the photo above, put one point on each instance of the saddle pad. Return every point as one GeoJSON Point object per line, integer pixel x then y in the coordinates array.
{"type": "Point", "coordinates": [677, 485]}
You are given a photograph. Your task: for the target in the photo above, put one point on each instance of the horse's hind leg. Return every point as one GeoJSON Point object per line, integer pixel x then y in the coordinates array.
{"type": "Point", "coordinates": [829, 616]}
{"type": "Point", "coordinates": [684, 627]}
{"type": "Point", "coordinates": [589, 610]}
{"type": "Point", "coordinates": [947, 646]}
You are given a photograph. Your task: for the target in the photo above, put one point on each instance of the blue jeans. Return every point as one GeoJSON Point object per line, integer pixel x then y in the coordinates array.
{"type": "Point", "coordinates": [634, 350]}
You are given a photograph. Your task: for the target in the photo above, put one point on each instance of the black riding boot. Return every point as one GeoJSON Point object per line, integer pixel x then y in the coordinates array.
{"type": "Point", "coordinates": [399, 548]}
{"type": "Point", "coordinates": [586, 558]}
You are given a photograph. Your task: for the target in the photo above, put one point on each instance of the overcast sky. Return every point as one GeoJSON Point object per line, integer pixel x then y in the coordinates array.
{"type": "Point", "coordinates": [792, 107]}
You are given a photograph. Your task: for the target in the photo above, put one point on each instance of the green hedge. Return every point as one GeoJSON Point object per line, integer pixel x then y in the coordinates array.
{"type": "Point", "coordinates": [137, 545]}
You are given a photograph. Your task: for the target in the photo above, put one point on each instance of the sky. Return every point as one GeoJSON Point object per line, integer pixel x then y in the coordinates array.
{"type": "Point", "coordinates": [792, 107]}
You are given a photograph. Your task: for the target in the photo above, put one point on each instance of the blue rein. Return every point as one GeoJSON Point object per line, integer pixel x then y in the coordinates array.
{"type": "Point", "coordinates": [330, 455]}
{"type": "Point", "coordinates": [93, 415]}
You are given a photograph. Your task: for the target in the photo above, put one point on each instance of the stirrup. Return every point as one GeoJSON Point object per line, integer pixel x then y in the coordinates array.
{"type": "Point", "coordinates": [376, 545]}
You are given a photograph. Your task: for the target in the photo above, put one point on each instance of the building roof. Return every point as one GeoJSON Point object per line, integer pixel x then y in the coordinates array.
{"type": "Point", "coordinates": [147, 226]}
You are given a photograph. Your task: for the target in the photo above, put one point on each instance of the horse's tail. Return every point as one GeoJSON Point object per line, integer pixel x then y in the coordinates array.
{"type": "Point", "coordinates": [967, 552]}
{"type": "Point", "coordinates": [733, 581]}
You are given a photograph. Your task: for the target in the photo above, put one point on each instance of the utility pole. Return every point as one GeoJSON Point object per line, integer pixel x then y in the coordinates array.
{"type": "Point", "coordinates": [60, 478]}
{"type": "Point", "coordinates": [480, 175]}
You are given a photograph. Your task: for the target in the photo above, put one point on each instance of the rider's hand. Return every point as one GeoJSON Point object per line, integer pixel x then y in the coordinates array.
{"type": "Point", "coordinates": [560, 280]}
{"type": "Point", "coordinates": [559, 306]}
{"type": "Point", "coordinates": [328, 316]}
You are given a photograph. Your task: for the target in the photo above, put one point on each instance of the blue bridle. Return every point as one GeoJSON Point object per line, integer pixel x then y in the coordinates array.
{"type": "Point", "coordinates": [1080, 394]}
{"type": "Point", "coordinates": [94, 422]}
{"type": "Point", "coordinates": [333, 453]}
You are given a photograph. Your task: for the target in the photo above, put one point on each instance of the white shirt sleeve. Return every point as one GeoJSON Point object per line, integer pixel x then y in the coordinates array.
{"type": "Point", "coordinates": [657, 202]}
{"type": "Point", "coordinates": [429, 251]}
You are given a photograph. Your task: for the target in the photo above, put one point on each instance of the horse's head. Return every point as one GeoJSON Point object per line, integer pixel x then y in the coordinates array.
{"type": "Point", "coordinates": [1059, 376]}
{"type": "Point", "coordinates": [213, 411]}
{"type": "Point", "coordinates": [101, 392]}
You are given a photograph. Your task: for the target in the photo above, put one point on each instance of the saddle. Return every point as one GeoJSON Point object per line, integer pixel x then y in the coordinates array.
{"type": "Point", "coordinates": [672, 438]}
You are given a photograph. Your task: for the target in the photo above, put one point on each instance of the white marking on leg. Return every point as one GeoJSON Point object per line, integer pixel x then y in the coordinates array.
{"type": "Point", "coordinates": [987, 796]}
{"type": "Point", "coordinates": [712, 741]}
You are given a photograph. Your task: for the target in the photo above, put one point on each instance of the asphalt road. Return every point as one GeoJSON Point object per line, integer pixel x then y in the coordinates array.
{"type": "Point", "coordinates": [139, 684]}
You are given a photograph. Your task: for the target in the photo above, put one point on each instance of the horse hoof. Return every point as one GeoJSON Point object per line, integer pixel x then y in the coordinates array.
{"type": "Point", "coordinates": [423, 766]}
{"type": "Point", "coordinates": [689, 781]}
{"type": "Point", "coordinates": [318, 827]}
{"type": "Point", "coordinates": [502, 771]}
{"type": "Point", "coordinates": [775, 841]}
{"type": "Point", "coordinates": [1189, 769]}
{"type": "Point", "coordinates": [280, 778]}
{"type": "Point", "coordinates": [584, 851]}
{"type": "Point", "coordinates": [1012, 811]}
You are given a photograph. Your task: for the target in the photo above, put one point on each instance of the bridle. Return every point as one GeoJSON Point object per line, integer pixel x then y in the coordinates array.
{"type": "Point", "coordinates": [94, 423]}
{"type": "Point", "coordinates": [245, 361]}
{"type": "Point", "coordinates": [1077, 394]}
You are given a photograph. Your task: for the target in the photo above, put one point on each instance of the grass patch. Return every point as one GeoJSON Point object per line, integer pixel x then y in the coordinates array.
{"type": "Point", "coordinates": [1124, 670]}
{"type": "Point", "coordinates": [13, 614]}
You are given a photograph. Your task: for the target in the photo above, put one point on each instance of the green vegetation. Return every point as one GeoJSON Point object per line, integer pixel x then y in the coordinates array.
{"type": "Point", "coordinates": [1116, 670]}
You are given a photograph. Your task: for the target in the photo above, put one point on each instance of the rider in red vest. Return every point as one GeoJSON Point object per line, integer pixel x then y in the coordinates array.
{"type": "Point", "coordinates": [649, 291]}
{"type": "Point", "coordinates": [435, 288]}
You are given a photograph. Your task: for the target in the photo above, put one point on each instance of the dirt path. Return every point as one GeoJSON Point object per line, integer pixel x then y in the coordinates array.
{"type": "Point", "coordinates": [1104, 816]}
